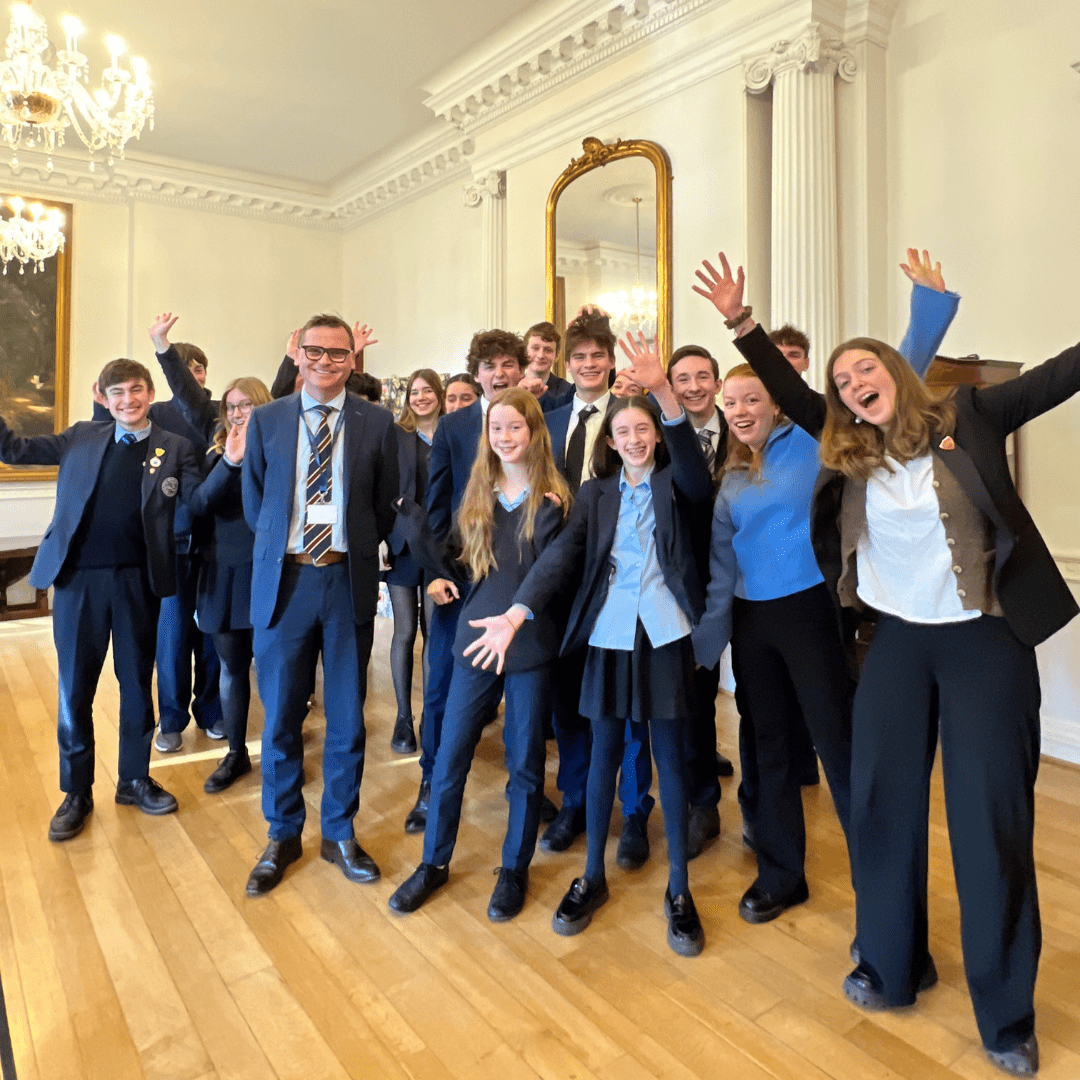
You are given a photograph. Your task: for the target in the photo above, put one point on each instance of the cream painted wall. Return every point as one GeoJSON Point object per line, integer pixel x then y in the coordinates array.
{"type": "Point", "coordinates": [414, 276]}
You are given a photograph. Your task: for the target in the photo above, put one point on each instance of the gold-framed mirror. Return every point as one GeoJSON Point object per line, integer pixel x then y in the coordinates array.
{"type": "Point", "coordinates": [609, 238]}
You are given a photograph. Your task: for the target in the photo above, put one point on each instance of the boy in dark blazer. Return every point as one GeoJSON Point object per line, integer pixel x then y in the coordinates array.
{"type": "Point", "coordinates": [108, 553]}
{"type": "Point", "coordinates": [319, 479]}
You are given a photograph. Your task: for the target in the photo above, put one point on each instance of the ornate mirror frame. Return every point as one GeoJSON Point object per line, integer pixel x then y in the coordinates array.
{"type": "Point", "coordinates": [598, 154]}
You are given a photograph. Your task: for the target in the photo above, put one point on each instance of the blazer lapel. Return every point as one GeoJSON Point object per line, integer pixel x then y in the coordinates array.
{"type": "Point", "coordinates": [607, 513]}
{"type": "Point", "coordinates": [662, 508]}
{"type": "Point", "coordinates": [150, 478]}
{"type": "Point", "coordinates": [352, 416]}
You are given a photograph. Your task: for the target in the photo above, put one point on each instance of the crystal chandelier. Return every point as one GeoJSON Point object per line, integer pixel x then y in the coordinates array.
{"type": "Point", "coordinates": [632, 310]}
{"type": "Point", "coordinates": [31, 234]}
{"type": "Point", "coordinates": [38, 101]}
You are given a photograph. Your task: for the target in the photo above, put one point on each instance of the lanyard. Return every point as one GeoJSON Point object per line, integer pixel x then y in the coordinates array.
{"type": "Point", "coordinates": [326, 466]}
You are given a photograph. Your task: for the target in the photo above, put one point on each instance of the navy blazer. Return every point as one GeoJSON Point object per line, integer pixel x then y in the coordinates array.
{"type": "Point", "coordinates": [559, 392]}
{"type": "Point", "coordinates": [558, 423]}
{"type": "Point", "coordinates": [269, 485]}
{"type": "Point", "coordinates": [682, 493]}
{"type": "Point", "coordinates": [413, 456]}
{"type": "Point", "coordinates": [453, 452]}
{"type": "Point", "coordinates": [1033, 595]}
{"type": "Point", "coordinates": [79, 452]}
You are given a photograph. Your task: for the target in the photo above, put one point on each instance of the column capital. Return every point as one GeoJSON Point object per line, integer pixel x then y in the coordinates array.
{"type": "Point", "coordinates": [808, 52]}
{"type": "Point", "coordinates": [492, 185]}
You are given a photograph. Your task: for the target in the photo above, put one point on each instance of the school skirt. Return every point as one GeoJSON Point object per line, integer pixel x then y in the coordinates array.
{"type": "Point", "coordinates": [643, 684]}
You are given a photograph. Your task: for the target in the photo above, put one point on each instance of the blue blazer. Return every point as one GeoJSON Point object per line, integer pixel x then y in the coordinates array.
{"type": "Point", "coordinates": [413, 455]}
{"type": "Point", "coordinates": [558, 422]}
{"type": "Point", "coordinates": [453, 452]}
{"type": "Point", "coordinates": [269, 487]}
{"type": "Point", "coordinates": [79, 452]}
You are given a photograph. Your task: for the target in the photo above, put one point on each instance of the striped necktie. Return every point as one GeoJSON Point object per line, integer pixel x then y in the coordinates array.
{"type": "Point", "coordinates": [128, 438]}
{"type": "Point", "coordinates": [707, 447]}
{"type": "Point", "coordinates": [317, 537]}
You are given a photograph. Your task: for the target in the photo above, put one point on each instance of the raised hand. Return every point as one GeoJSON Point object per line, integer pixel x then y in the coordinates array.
{"type": "Point", "coordinates": [723, 291]}
{"type": "Point", "coordinates": [921, 271]}
{"type": "Point", "coordinates": [645, 367]}
{"type": "Point", "coordinates": [498, 633]}
{"type": "Point", "coordinates": [443, 591]}
{"type": "Point", "coordinates": [159, 330]}
{"type": "Point", "coordinates": [362, 338]}
{"type": "Point", "coordinates": [97, 395]}
{"type": "Point", "coordinates": [292, 350]}
{"type": "Point", "coordinates": [536, 387]}
{"type": "Point", "coordinates": [235, 443]}
{"type": "Point", "coordinates": [591, 309]}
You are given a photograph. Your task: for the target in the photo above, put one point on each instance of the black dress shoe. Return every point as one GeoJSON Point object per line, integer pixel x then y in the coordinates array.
{"type": "Point", "coordinates": [863, 988]}
{"type": "Point", "coordinates": [633, 850]}
{"type": "Point", "coordinates": [234, 764]}
{"type": "Point", "coordinates": [404, 738]}
{"type": "Point", "coordinates": [703, 825]}
{"type": "Point", "coordinates": [568, 825]}
{"type": "Point", "coordinates": [723, 766]}
{"type": "Point", "coordinates": [270, 868]}
{"type": "Point", "coordinates": [575, 910]}
{"type": "Point", "coordinates": [416, 819]}
{"type": "Point", "coordinates": [70, 817]}
{"type": "Point", "coordinates": [1022, 1060]}
{"type": "Point", "coordinates": [509, 895]}
{"type": "Point", "coordinates": [684, 931]}
{"type": "Point", "coordinates": [548, 810]}
{"type": "Point", "coordinates": [758, 906]}
{"type": "Point", "coordinates": [420, 884]}
{"type": "Point", "coordinates": [356, 864]}
{"type": "Point", "coordinates": [148, 795]}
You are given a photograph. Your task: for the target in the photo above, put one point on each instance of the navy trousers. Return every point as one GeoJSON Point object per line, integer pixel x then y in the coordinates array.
{"type": "Point", "coordinates": [314, 615]}
{"type": "Point", "coordinates": [439, 648]}
{"type": "Point", "coordinates": [473, 694]}
{"type": "Point", "coordinates": [178, 641]}
{"type": "Point", "coordinates": [702, 776]}
{"type": "Point", "coordinates": [88, 607]}
{"type": "Point", "coordinates": [977, 686]}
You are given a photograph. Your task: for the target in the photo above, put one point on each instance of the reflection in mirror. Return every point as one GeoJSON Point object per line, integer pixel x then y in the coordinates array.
{"type": "Point", "coordinates": [605, 244]}
{"type": "Point", "coordinates": [609, 238]}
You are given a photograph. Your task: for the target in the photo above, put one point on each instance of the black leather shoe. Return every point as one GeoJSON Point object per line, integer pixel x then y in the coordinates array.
{"type": "Point", "coordinates": [548, 810]}
{"type": "Point", "coordinates": [420, 884]}
{"type": "Point", "coordinates": [575, 910]}
{"type": "Point", "coordinates": [234, 764]}
{"type": "Point", "coordinates": [70, 817]}
{"type": "Point", "coordinates": [724, 767]}
{"type": "Point", "coordinates": [703, 825]}
{"type": "Point", "coordinates": [568, 825]}
{"type": "Point", "coordinates": [404, 738]}
{"type": "Point", "coordinates": [863, 988]}
{"type": "Point", "coordinates": [684, 931]}
{"type": "Point", "coordinates": [1022, 1060]}
{"type": "Point", "coordinates": [757, 906]}
{"type": "Point", "coordinates": [270, 868]}
{"type": "Point", "coordinates": [633, 843]}
{"type": "Point", "coordinates": [416, 819]}
{"type": "Point", "coordinates": [148, 795]}
{"type": "Point", "coordinates": [356, 864]}
{"type": "Point", "coordinates": [509, 895]}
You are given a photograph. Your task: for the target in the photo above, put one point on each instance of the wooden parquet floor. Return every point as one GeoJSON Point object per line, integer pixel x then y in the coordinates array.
{"type": "Point", "coordinates": [132, 951]}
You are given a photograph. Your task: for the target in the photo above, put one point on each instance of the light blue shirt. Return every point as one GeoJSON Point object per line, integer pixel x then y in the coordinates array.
{"type": "Point", "coordinates": [140, 436]}
{"type": "Point", "coordinates": [510, 506]}
{"type": "Point", "coordinates": [309, 421]}
{"type": "Point", "coordinates": [637, 589]}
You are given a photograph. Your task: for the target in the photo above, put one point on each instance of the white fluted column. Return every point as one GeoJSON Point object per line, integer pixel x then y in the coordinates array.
{"type": "Point", "coordinates": [805, 228]}
{"type": "Point", "coordinates": [488, 193]}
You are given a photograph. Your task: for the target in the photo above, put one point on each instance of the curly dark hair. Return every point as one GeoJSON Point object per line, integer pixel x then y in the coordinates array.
{"type": "Point", "coordinates": [487, 344]}
{"type": "Point", "coordinates": [595, 328]}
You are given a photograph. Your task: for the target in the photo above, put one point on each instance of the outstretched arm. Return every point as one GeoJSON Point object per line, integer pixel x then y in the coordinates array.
{"type": "Point", "coordinates": [713, 632]}
{"type": "Point", "coordinates": [189, 395]}
{"type": "Point", "coordinates": [933, 309]}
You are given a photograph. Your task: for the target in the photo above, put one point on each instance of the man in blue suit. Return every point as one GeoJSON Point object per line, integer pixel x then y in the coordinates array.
{"type": "Point", "coordinates": [319, 479]}
{"type": "Point", "coordinates": [497, 360]}
{"type": "Point", "coordinates": [108, 553]}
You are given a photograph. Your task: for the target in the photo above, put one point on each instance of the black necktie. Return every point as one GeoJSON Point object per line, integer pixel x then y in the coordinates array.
{"type": "Point", "coordinates": [707, 447]}
{"type": "Point", "coordinates": [575, 450]}
{"type": "Point", "coordinates": [128, 438]}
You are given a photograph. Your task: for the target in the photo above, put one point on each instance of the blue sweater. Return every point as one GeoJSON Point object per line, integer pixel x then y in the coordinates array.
{"type": "Point", "coordinates": [760, 547]}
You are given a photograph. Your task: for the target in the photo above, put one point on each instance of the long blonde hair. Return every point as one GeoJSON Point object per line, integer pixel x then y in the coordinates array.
{"type": "Point", "coordinates": [257, 394]}
{"type": "Point", "coordinates": [856, 449]}
{"type": "Point", "coordinates": [739, 454]}
{"type": "Point", "coordinates": [476, 514]}
{"type": "Point", "coordinates": [407, 420]}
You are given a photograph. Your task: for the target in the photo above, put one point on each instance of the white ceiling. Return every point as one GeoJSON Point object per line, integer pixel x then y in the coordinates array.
{"type": "Point", "coordinates": [305, 90]}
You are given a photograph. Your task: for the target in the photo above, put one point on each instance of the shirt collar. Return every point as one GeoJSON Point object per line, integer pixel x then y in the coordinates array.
{"type": "Point", "coordinates": [712, 424]}
{"type": "Point", "coordinates": [645, 483]}
{"type": "Point", "coordinates": [484, 403]}
{"type": "Point", "coordinates": [601, 403]}
{"type": "Point", "coordinates": [140, 435]}
{"type": "Point", "coordinates": [308, 402]}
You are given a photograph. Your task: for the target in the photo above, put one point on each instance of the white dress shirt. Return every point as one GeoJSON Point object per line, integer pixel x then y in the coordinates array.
{"type": "Point", "coordinates": [309, 421]}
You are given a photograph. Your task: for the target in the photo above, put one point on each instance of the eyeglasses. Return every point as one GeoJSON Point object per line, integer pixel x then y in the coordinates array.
{"type": "Point", "coordinates": [239, 407]}
{"type": "Point", "coordinates": [315, 352]}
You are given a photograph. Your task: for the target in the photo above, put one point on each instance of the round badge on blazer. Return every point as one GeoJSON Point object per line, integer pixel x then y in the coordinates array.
{"type": "Point", "coordinates": [169, 486]}
{"type": "Point", "coordinates": [155, 461]}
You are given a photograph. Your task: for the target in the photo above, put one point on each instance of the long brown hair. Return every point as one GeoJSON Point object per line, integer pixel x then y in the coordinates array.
{"type": "Point", "coordinates": [407, 420]}
{"type": "Point", "coordinates": [476, 514]}
{"type": "Point", "coordinates": [856, 449]}
{"type": "Point", "coordinates": [605, 458]}
{"type": "Point", "coordinates": [257, 394]}
{"type": "Point", "coordinates": [739, 454]}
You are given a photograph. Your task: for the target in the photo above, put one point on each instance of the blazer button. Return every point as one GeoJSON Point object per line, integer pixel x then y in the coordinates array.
{"type": "Point", "coordinates": [935, 483]}
{"type": "Point", "coordinates": [957, 569]}
{"type": "Point", "coordinates": [961, 593]}
{"type": "Point", "coordinates": [950, 541]}
{"type": "Point", "coordinates": [943, 516]}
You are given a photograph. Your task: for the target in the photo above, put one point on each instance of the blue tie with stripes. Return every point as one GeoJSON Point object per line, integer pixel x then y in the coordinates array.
{"type": "Point", "coordinates": [317, 537]}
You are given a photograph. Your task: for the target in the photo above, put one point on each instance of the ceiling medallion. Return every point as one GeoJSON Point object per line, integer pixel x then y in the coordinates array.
{"type": "Point", "coordinates": [39, 101]}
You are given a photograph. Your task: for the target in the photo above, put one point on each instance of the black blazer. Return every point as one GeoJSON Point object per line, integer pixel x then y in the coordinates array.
{"type": "Point", "coordinates": [79, 452]}
{"type": "Point", "coordinates": [453, 452]}
{"type": "Point", "coordinates": [682, 503]}
{"type": "Point", "coordinates": [1033, 595]}
{"type": "Point", "coordinates": [412, 456]}
{"type": "Point", "coordinates": [269, 484]}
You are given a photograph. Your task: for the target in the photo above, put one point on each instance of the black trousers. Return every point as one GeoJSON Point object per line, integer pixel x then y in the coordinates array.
{"type": "Point", "coordinates": [789, 650]}
{"type": "Point", "coordinates": [985, 684]}
{"type": "Point", "coordinates": [88, 607]}
{"type": "Point", "coordinates": [699, 740]}
{"type": "Point", "coordinates": [235, 649]}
